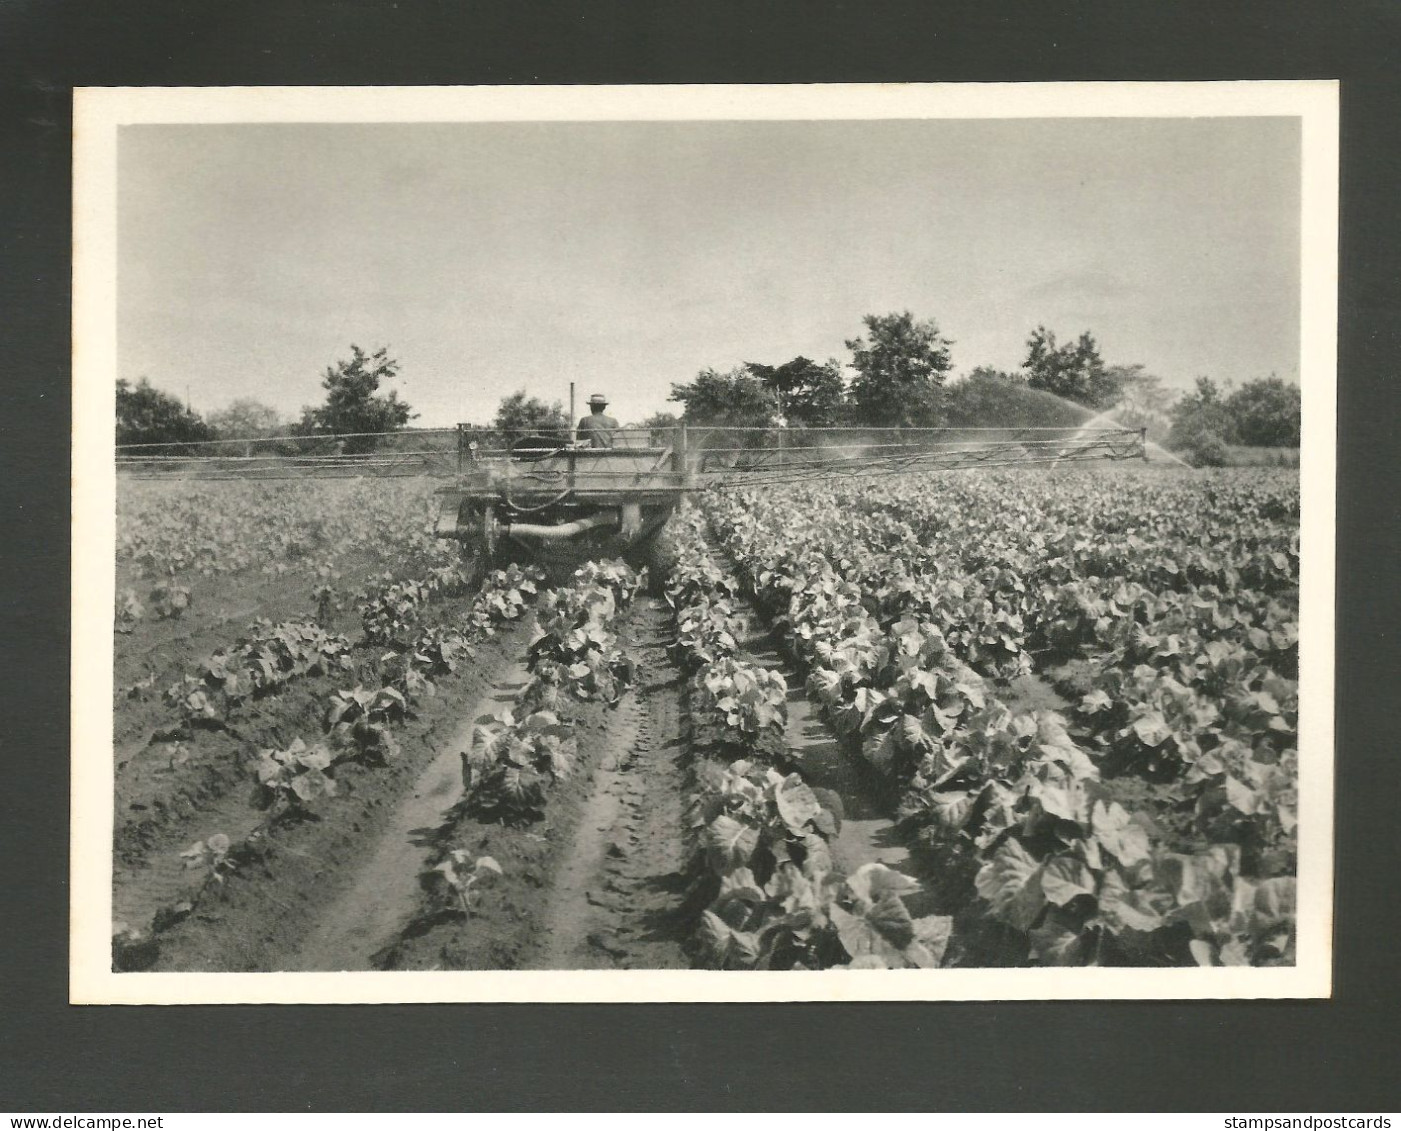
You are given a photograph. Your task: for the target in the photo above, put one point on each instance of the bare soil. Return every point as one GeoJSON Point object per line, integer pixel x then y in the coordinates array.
{"type": "Point", "coordinates": [379, 896]}
{"type": "Point", "coordinates": [290, 873]}
{"type": "Point", "coordinates": [618, 902]}
{"type": "Point", "coordinates": [598, 883]}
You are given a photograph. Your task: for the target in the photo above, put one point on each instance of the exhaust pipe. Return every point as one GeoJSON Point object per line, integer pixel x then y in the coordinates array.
{"type": "Point", "coordinates": [564, 529]}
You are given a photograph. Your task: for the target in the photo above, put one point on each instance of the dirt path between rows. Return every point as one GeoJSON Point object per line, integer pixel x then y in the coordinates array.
{"type": "Point", "coordinates": [382, 893]}
{"type": "Point", "coordinates": [617, 894]}
{"type": "Point", "coordinates": [867, 832]}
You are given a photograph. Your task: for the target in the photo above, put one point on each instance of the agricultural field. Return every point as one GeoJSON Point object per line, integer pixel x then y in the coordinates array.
{"type": "Point", "coordinates": [1028, 717]}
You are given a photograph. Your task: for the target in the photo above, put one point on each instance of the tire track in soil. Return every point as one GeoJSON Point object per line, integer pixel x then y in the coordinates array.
{"type": "Point", "coordinates": [617, 901]}
{"type": "Point", "coordinates": [383, 892]}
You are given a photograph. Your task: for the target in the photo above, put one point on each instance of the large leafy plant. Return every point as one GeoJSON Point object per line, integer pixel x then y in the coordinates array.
{"type": "Point", "coordinates": [359, 720]}
{"type": "Point", "coordinates": [295, 779]}
{"type": "Point", "coordinates": [511, 765]}
{"type": "Point", "coordinates": [515, 759]}
{"type": "Point", "coordinates": [807, 918]}
{"type": "Point", "coordinates": [747, 700]}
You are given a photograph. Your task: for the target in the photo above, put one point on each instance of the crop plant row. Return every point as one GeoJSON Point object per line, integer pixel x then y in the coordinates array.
{"type": "Point", "coordinates": [1155, 825]}
{"type": "Point", "coordinates": [293, 782]}
{"type": "Point", "coordinates": [517, 756]}
{"type": "Point", "coordinates": [761, 866]}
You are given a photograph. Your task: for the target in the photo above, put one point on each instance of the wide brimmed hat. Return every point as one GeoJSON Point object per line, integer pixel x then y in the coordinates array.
{"type": "Point", "coordinates": [598, 398]}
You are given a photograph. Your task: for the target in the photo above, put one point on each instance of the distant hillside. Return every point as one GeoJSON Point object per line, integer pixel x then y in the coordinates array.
{"type": "Point", "coordinates": [991, 401]}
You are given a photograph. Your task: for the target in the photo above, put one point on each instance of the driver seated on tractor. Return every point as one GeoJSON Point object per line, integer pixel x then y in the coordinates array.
{"type": "Point", "coordinates": [596, 429]}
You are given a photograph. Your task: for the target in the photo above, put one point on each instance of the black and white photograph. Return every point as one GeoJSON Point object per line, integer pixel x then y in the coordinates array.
{"type": "Point", "coordinates": [704, 543]}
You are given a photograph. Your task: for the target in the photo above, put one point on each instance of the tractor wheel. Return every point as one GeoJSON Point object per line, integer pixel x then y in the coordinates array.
{"type": "Point", "coordinates": [479, 549]}
{"type": "Point", "coordinates": [475, 564]}
{"type": "Point", "coordinates": [661, 558]}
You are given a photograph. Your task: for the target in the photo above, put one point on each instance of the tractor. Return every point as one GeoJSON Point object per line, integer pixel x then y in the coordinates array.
{"type": "Point", "coordinates": [548, 500]}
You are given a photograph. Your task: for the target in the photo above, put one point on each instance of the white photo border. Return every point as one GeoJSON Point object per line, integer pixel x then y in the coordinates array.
{"type": "Point", "coordinates": [100, 112]}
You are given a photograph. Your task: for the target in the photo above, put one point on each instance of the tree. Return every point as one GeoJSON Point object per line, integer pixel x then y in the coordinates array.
{"type": "Point", "coordinates": [520, 415]}
{"type": "Point", "coordinates": [145, 415]}
{"type": "Point", "coordinates": [1266, 413]}
{"type": "Point", "coordinates": [246, 419]}
{"type": "Point", "coordinates": [661, 420]}
{"type": "Point", "coordinates": [900, 371]}
{"type": "Point", "coordinates": [659, 427]}
{"type": "Point", "coordinates": [1074, 371]}
{"type": "Point", "coordinates": [1202, 424]}
{"type": "Point", "coordinates": [351, 404]}
{"type": "Point", "coordinates": [733, 399]}
{"type": "Point", "coordinates": [991, 373]}
{"type": "Point", "coordinates": [809, 395]}
{"type": "Point", "coordinates": [1141, 391]}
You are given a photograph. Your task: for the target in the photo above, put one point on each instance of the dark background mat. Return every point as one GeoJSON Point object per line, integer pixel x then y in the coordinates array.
{"type": "Point", "coordinates": [1238, 1056]}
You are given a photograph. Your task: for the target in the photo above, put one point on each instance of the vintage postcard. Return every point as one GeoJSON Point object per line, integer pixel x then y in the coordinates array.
{"type": "Point", "coordinates": [704, 543]}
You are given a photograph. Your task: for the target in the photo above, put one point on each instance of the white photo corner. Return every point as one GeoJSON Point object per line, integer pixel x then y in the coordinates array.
{"type": "Point", "coordinates": [704, 543]}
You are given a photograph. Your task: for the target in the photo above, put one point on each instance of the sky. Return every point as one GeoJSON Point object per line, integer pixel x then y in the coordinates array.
{"type": "Point", "coordinates": [627, 256]}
